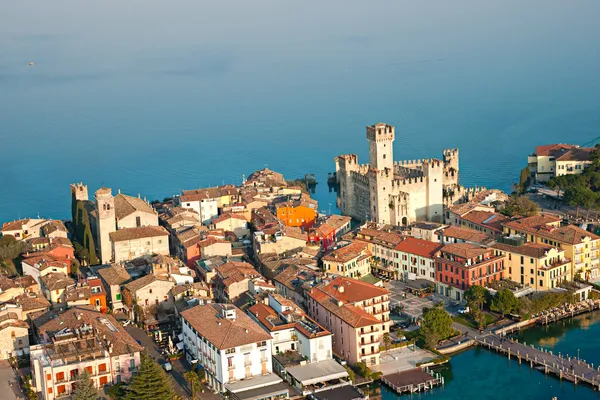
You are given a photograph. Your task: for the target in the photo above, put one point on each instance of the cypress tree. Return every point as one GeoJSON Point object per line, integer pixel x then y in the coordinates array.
{"type": "Point", "coordinates": [84, 388]}
{"type": "Point", "coordinates": [150, 383]}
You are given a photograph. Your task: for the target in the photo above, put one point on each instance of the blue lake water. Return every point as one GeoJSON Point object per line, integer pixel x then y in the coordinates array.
{"type": "Point", "coordinates": [481, 374]}
{"type": "Point", "coordinates": [152, 97]}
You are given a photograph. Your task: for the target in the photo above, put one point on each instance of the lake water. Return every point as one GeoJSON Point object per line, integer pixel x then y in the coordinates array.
{"type": "Point", "coordinates": [152, 97]}
{"type": "Point", "coordinates": [481, 374]}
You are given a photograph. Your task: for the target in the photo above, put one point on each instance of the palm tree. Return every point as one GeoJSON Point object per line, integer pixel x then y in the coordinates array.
{"type": "Point", "coordinates": [194, 382]}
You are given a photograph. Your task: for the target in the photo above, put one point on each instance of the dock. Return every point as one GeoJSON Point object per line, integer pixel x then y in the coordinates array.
{"type": "Point", "coordinates": [412, 381]}
{"type": "Point", "coordinates": [562, 314]}
{"type": "Point", "coordinates": [566, 367]}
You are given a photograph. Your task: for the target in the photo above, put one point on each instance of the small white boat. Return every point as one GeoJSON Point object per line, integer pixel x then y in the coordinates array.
{"type": "Point", "coordinates": [31, 63]}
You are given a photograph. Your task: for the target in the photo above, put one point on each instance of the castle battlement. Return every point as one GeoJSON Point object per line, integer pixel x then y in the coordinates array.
{"type": "Point", "coordinates": [360, 178]}
{"type": "Point", "coordinates": [380, 132]}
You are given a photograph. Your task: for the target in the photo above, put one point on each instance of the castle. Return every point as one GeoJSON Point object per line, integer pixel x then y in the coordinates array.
{"type": "Point", "coordinates": [395, 193]}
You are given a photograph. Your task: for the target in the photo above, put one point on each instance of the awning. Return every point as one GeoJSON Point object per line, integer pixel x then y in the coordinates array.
{"type": "Point", "coordinates": [321, 371]}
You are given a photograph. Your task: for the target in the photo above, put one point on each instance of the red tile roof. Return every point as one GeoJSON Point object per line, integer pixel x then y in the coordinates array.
{"type": "Point", "coordinates": [347, 253]}
{"type": "Point", "coordinates": [419, 247]}
{"type": "Point", "coordinates": [485, 218]}
{"type": "Point", "coordinates": [349, 290]}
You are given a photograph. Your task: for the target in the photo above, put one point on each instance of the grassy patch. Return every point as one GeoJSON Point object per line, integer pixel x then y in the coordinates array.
{"type": "Point", "coordinates": [467, 320]}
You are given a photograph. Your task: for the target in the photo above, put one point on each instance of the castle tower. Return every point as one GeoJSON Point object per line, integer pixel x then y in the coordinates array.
{"type": "Point", "coordinates": [105, 204]}
{"type": "Point", "coordinates": [451, 167]}
{"type": "Point", "coordinates": [381, 139]}
{"type": "Point", "coordinates": [79, 191]}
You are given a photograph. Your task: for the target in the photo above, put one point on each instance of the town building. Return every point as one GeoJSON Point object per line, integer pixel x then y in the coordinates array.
{"type": "Point", "coordinates": [356, 312]}
{"type": "Point", "coordinates": [580, 246]}
{"type": "Point", "coordinates": [14, 332]}
{"type": "Point", "coordinates": [206, 202]}
{"type": "Point", "coordinates": [24, 228]}
{"type": "Point", "coordinates": [175, 218]}
{"type": "Point", "coordinates": [475, 200]}
{"type": "Point", "coordinates": [78, 340]}
{"type": "Point", "coordinates": [415, 258]}
{"type": "Point", "coordinates": [558, 159]}
{"type": "Point", "coordinates": [238, 224]}
{"type": "Point", "coordinates": [381, 243]}
{"type": "Point", "coordinates": [353, 260]}
{"type": "Point", "coordinates": [37, 267]}
{"type": "Point", "coordinates": [323, 235]}
{"type": "Point", "coordinates": [231, 280]}
{"type": "Point", "coordinates": [535, 265]}
{"type": "Point", "coordinates": [233, 349]}
{"type": "Point", "coordinates": [129, 243]}
{"type": "Point", "coordinates": [300, 211]}
{"type": "Point", "coordinates": [295, 280]}
{"type": "Point", "coordinates": [113, 276]}
{"type": "Point", "coordinates": [54, 286]}
{"type": "Point", "coordinates": [88, 292]}
{"type": "Point", "coordinates": [11, 288]}
{"type": "Point", "coordinates": [277, 239]}
{"type": "Point", "coordinates": [425, 230]}
{"type": "Point", "coordinates": [462, 265]}
{"type": "Point", "coordinates": [490, 223]}
{"type": "Point", "coordinates": [302, 349]}
{"type": "Point", "coordinates": [150, 294]}
{"type": "Point", "coordinates": [395, 193]}
{"type": "Point", "coordinates": [341, 223]}
{"type": "Point", "coordinates": [461, 234]}
{"type": "Point", "coordinates": [31, 303]}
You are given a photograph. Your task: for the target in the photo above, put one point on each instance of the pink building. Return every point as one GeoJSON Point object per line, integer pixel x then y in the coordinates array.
{"type": "Point", "coordinates": [356, 312]}
{"type": "Point", "coordinates": [77, 340]}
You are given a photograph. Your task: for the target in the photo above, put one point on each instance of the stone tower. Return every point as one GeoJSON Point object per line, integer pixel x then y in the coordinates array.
{"type": "Point", "coordinates": [79, 191]}
{"type": "Point", "coordinates": [105, 204]}
{"type": "Point", "coordinates": [381, 140]}
{"type": "Point", "coordinates": [451, 167]}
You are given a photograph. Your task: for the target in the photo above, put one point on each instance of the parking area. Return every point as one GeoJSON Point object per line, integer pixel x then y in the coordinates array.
{"type": "Point", "coordinates": [412, 306]}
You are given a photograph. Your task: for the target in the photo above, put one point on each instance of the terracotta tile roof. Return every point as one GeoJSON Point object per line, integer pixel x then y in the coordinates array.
{"type": "Point", "coordinates": [529, 249]}
{"type": "Point", "coordinates": [464, 233]}
{"type": "Point", "coordinates": [350, 314]}
{"type": "Point", "coordinates": [269, 318]}
{"type": "Point", "coordinates": [464, 250]}
{"type": "Point", "coordinates": [389, 239]}
{"type": "Point", "coordinates": [57, 281]}
{"type": "Point", "coordinates": [347, 253]}
{"type": "Point", "coordinates": [76, 317]}
{"type": "Point", "coordinates": [140, 283]}
{"type": "Point", "coordinates": [538, 225]}
{"type": "Point", "coordinates": [419, 247]}
{"type": "Point", "coordinates": [233, 272]}
{"type": "Point", "coordinates": [208, 193]}
{"type": "Point", "coordinates": [210, 241]}
{"type": "Point", "coordinates": [227, 216]}
{"type": "Point", "coordinates": [477, 201]}
{"type": "Point", "coordinates": [127, 205]}
{"type": "Point", "coordinates": [6, 283]}
{"type": "Point", "coordinates": [295, 233]}
{"type": "Point", "coordinates": [53, 226]}
{"type": "Point", "coordinates": [224, 333]}
{"type": "Point", "coordinates": [488, 219]}
{"type": "Point", "coordinates": [25, 281]}
{"type": "Point", "coordinates": [560, 149]}
{"type": "Point", "coordinates": [338, 221]}
{"type": "Point", "coordinates": [14, 225]}
{"type": "Point", "coordinates": [114, 274]}
{"type": "Point", "coordinates": [296, 273]}
{"type": "Point", "coordinates": [138, 233]}
{"type": "Point", "coordinates": [350, 290]}
{"type": "Point", "coordinates": [32, 302]}
{"type": "Point", "coordinates": [78, 293]}
{"type": "Point", "coordinates": [325, 230]}
{"type": "Point", "coordinates": [14, 323]}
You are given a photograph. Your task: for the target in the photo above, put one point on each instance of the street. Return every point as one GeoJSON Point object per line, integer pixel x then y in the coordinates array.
{"type": "Point", "coordinates": [9, 383]}
{"type": "Point", "coordinates": [180, 366]}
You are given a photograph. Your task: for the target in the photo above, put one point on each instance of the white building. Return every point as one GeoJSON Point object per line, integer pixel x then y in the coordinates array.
{"type": "Point", "coordinates": [415, 258]}
{"type": "Point", "coordinates": [130, 243]}
{"type": "Point", "coordinates": [233, 349]}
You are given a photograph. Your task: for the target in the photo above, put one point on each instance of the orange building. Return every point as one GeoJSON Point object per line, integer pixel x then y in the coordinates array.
{"type": "Point", "coordinates": [300, 212]}
{"type": "Point", "coordinates": [98, 294]}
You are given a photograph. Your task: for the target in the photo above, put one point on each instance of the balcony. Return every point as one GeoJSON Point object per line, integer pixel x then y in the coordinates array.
{"type": "Point", "coordinates": [369, 342]}
{"type": "Point", "coordinates": [264, 360]}
{"type": "Point", "coordinates": [230, 367]}
{"type": "Point", "coordinates": [247, 363]}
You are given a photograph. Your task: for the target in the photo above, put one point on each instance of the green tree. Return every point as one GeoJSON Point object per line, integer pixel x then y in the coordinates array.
{"type": "Point", "coordinates": [436, 325]}
{"type": "Point", "coordinates": [524, 179]}
{"type": "Point", "coordinates": [387, 340]}
{"type": "Point", "coordinates": [476, 296]}
{"type": "Point", "coordinates": [116, 391]}
{"type": "Point", "coordinates": [520, 205]}
{"type": "Point", "coordinates": [194, 381]}
{"type": "Point", "coordinates": [150, 383]}
{"type": "Point", "coordinates": [505, 302]}
{"type": "Point", "coordinates": [84, 388]}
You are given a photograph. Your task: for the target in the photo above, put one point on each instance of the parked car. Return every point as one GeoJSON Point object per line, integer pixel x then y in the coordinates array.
{"type": "Point", "coordinates": [168, 367]}
{"type": "Point", "coordinates": [463, 310]}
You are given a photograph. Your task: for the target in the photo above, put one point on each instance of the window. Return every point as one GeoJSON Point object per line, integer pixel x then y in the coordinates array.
{"type": "Point", "coordinates": [138, 221]}
{"type": "Point", "coordinates": [118, 296]}
{"type": "Point", "coordinates": [150, 291]}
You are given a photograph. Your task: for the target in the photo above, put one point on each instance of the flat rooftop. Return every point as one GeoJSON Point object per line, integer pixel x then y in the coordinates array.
{"type": "Point", "coordinates": [407, 378]}
{"type": "Point", "coordinates": [341, 393]}
{"type": "Point", "coordinates": [317, 372]}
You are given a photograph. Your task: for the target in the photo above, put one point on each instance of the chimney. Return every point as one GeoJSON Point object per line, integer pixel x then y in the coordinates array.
{"type": "Point", "coordinates": [341, 289]}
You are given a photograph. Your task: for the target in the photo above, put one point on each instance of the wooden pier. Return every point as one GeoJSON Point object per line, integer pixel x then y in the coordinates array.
{"type": "Point", "coordinates": [566, 367]}
{"type": "Point", "coordinates": [412, 381]}
{"type": "Point", "coordinates": [557, 316]}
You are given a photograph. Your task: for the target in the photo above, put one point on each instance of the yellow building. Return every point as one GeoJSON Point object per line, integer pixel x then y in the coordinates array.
{"type": "Point", "coordinates": [558, 159]}
{"type": "Point", "coordinates": [579, 246]}
{"type": "Point", "coordinates": [352, 261]}
{"type": "Point", "coordinates": [539, 266]}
